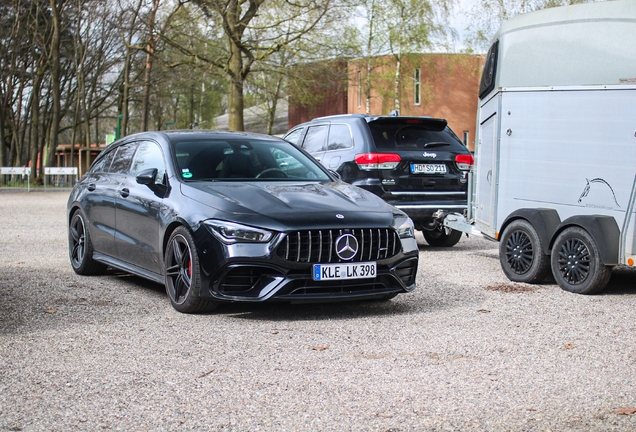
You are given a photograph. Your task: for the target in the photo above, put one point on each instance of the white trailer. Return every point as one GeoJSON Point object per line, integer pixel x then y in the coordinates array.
{"type": "Point", "coordinates": [554, 180]}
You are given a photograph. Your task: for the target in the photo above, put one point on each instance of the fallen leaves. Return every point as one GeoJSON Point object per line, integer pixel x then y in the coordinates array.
{"type": "Point", "coordinates": [483, 311]}
{"type": "Point", "coordinates": [625, 411]}
{"type": "Point", "coordinates": [320, 348]}
{"type": "Point", "coordinates": [204, 374]}
{"type": "Point", "coordinates": [510, 288]}
{"type": "Point", "coordinates": [570, 345]}
{"type": "Point", "coordinates": [50, 311]}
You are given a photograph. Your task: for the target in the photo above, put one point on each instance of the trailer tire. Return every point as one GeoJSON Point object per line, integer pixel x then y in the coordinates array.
{"type": "Point", "coordinates": [576, 263]}
{"type": "Point", "coordinates": [521, 253]}
{"type": "Point", "coordinates": [437, 238]}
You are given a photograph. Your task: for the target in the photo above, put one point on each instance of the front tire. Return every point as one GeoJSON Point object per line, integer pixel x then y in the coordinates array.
{"type": "Point", "coordinates": [437, 238]}
{"type": "Point", "coordinates": [521, 253]}
{"type": "Point", "coordinates": [183, 274]}
{"type": "Point", "coordinates": [576, 263]}
{"type": "Point", "coordinates": [80, 247]}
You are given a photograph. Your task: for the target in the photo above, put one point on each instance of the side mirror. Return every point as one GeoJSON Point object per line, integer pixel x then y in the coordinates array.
{"type": "Point", "coordinates": [147, 177]}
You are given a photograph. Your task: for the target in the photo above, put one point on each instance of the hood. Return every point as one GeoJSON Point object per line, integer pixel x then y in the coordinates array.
{"type": "Point", "coordinates": [293, 204]}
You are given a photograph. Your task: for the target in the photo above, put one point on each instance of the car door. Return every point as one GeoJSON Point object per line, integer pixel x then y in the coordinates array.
{"type": "Point", "coordinates": [100, 199]}
{"type": "Point", "coordinates": [339, 146]}
{"type": "Point", "coordinates": [315, 141]}
{"type": "Point", "coordinates": [139, 211]}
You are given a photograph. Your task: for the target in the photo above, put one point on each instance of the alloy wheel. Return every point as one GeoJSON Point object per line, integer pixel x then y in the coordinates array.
{"type": "Point", "coordinates": [179, 269]}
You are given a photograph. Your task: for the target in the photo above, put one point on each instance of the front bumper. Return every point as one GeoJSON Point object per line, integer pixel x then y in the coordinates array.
{"type": "Point", "coordinates": [255, 273]}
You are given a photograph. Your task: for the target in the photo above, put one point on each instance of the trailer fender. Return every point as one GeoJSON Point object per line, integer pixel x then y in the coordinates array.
{"type": "Point", "coordinates": [544, 220]}
{"type": "Point", "coordinates": [603, 229]}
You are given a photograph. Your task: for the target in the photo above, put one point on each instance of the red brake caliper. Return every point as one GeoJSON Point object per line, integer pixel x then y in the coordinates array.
{"type": "Point", "coordinates": [190, 268]}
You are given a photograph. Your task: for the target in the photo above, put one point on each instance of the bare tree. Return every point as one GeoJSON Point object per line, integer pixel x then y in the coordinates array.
{"type": "Point", "coordinates": [240, 51]}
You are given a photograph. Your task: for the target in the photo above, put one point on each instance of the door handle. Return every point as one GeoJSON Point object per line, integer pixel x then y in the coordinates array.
{"type": "Point", "coordinates": [124, 192]}
{"type": "Point", "coordinates": [91, 187]}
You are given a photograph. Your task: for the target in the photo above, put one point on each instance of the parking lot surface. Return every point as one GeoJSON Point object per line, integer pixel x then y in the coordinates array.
{"type": "Point", "coordinates": [468, 350]}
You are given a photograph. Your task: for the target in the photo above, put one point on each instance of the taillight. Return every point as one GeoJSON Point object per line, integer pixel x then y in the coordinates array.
{"type": "Point", "coordinates": [464, 161]}
{"type": "Point", "coordinates": [377, 161]}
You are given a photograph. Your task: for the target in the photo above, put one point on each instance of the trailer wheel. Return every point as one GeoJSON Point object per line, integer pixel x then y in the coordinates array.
{"type": "Point", "coordinates": [521, 253]}
{"type": "Point", "coordinates": [437, 238]}
{"type": "Point", "coordinates": [576, 263]}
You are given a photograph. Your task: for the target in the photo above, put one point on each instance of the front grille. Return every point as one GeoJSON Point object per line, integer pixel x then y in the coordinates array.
{"type": "Point", "coordinates": [318, 246]}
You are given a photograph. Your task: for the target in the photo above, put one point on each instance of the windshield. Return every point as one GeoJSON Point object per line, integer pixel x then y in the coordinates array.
{"type": "Point", "coordinates": [244, 159]}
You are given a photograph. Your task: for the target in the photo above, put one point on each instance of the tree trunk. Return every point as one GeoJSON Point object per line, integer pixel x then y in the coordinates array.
{"type": "Point", "coordinates": [145, 111]}
{"type": "Point", "coordinates": [2, 138]}
{"type": "Point", "coordinates": [236, 102]}
{"type": "Point", "coordinates": [396, 94]}
{"type": "Point", "coordinates": [367, 90]}
{"type": "Point", "coordinates": [54, 64]}
{"type": "Point", "coordinates": [35, 127]}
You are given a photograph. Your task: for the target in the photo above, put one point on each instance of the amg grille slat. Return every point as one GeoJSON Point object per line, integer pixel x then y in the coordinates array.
{"type": "Point", "coordinates": [361, 242]}
{"type": "Point", "coordinates": [299, 238]}
{"type": "Point", "coordinates": [318, 246]}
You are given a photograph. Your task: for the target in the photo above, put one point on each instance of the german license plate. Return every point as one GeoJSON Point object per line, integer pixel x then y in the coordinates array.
{"type": "Point", "coordinates": [342, 271]}
{"type": "Point", "coordinates": [428, 168]}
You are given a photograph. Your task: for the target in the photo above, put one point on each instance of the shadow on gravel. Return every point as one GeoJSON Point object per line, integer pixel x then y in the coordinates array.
{"type": "Point", "coordinates": [623, 282]}
{"type": "Point", "coordinates": [316, 311]}
{"type": "Point", "coordinates": [30, 301]}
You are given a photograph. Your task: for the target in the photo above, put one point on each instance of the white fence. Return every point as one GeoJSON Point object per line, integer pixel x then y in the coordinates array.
{"type": "Point", "coordinates": [15, 178]}
{"type": "Point", "coordinates": [59, 178]}
{"type": "Point", "coordinates": [19, 178]}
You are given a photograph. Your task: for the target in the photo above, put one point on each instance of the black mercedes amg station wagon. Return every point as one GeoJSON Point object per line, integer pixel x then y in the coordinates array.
{"type": "Point", "coordinates": [222, 216]}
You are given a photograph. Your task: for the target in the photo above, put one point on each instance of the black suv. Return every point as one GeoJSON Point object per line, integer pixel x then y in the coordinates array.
{"type": "Point", "coordinates": [414, 163]}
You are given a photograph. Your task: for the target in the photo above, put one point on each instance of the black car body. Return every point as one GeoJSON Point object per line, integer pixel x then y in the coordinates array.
{"type": "Point", "coordinates": [220, 216]}
{"type": "Point", "coordinates": [416, 164]}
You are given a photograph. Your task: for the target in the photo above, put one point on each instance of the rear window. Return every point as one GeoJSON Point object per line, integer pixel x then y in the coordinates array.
{"type": "Point", "coordinates": [390, 137]}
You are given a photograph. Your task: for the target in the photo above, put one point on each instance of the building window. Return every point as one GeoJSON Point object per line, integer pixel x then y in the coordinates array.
{"type": "Point", "coordinates": [359, 89]}
{"type": "Point", "coordinates": [417, 78]}
{"type": "Point", "coordinates": [466, 138]}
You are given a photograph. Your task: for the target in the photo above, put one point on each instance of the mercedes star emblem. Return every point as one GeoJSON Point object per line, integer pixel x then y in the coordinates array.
{"type": "Point", "coordinates": [346, 247]}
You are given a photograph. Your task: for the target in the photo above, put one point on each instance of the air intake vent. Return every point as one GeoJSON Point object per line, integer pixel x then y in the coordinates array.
{"type": "Point", "coordinates": [319, 246]}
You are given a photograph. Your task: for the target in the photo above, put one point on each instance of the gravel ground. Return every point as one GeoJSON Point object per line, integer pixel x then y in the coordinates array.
{"type": "Point", "coordinates": [468, 350]}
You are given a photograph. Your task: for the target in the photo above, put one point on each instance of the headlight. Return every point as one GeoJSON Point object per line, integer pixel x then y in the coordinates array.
{"type": "Point", "coordinates": [230, 232]}
{"type": "Point", "coordinates": [407, 229]}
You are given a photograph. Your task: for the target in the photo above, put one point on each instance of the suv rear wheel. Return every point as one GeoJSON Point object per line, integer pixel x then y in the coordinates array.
{"type": "Point", "coordinates": [438, 238]}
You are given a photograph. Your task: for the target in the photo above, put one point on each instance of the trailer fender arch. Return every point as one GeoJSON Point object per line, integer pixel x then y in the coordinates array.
{"type": "Point", "coordinates": [603, 229]}
{"type": "Point", "coordinates": [545, 222]}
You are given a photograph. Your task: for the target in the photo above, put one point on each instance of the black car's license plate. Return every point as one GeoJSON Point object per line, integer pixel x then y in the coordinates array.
{"type": "Point", "coordinates": [340, 271]}
{"type": "Point", "coordinates": [428, 169]}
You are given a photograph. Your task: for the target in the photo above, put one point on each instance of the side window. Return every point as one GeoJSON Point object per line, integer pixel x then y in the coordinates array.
{"type": "Point", "coordinates": [123, 158]}
{"type": "Point", "coordinates": [103, 164]}
{"type": "Point", "coordinates": [148, 156]}
{"type": "Point", "coordinates": [315, 139]}
{"type": "Point", "coordinates": [488, 74]}
{"type": "Point", "coordinates": [294, 135]}
{"type": "Point", "coordinates": [339, 137]}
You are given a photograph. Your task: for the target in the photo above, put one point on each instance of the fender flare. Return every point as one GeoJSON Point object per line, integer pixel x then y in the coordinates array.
{"type": "Point", "coordinates": [545, 222]}
{"type": "Point", "coordinates": [603, 229]}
